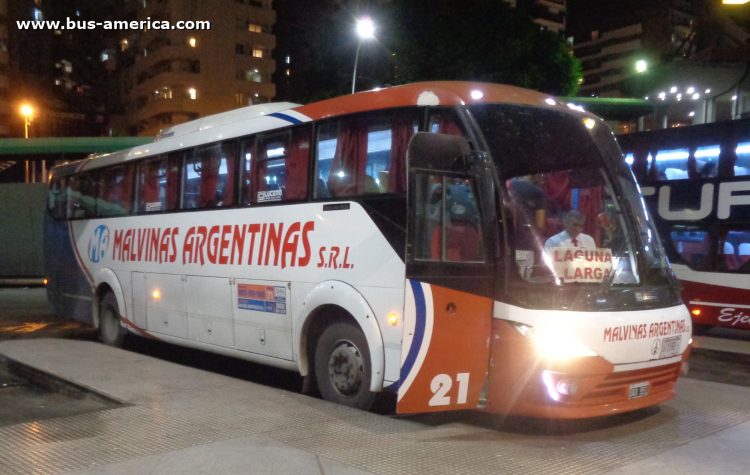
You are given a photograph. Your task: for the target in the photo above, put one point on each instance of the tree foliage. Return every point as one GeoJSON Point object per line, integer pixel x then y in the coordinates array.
{"type": "Point", "coordinates": [477, 40]}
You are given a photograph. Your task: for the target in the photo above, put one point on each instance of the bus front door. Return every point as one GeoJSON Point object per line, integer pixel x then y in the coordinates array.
{"type": "Point", "coordinates": [447, 315]}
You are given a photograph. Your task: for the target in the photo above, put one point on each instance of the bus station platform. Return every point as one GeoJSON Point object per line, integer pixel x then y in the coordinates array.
{"type": "Point", "coordinates": [168, 418]}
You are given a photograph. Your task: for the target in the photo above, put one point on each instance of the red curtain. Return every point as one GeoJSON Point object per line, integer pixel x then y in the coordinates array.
{"type": "Point", "coordinates": [230, 152]}
{"type": "Point", "coordinates": [126, 195]}
{"type": "Point", "coordinates": [347, 177]}
{"type": "Point", "coordinates": [559, 195]}
{"type": "Point", "coordinates": [728, 158]}
{"type": "Point", "coordinates": [258, 174]}
{"type": "Point", "coordinates": [400, 135]}
{"type": "Point", "coordinates": [296, 166]}
{"type": "Point", "coordinates": [210, 162]}
{"type": "Point", "coordinates": [150, 182]}
{"type": "Point", "coordinates": [446, 125]}
{"type": "Point", "coordinates": [173, 181]}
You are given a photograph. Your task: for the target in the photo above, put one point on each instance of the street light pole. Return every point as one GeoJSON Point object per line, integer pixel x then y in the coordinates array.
{"type": "Point", "coordinates": [27, 111]}
{"type": "Point", "coordinates": [365, 30]}
{"type": "Point", "coordinates": [356, 58]}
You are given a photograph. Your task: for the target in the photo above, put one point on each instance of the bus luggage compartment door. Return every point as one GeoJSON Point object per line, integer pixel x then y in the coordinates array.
{"type": "Point", "coordinates": [446, 349]}
{"type": "Point", "coordinates": [165, 305]}
{"type": "Point", "coordinates": [262, 317]}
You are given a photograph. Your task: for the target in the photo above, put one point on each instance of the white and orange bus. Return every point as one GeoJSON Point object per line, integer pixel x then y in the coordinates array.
{"type": "Point", "coordinates": [412, 239]}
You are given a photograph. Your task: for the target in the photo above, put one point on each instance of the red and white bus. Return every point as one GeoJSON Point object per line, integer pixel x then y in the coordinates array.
{"type": "Point", "coordinates": [695, 180]}
{"type": "Point", "coordinates": [410, 240]}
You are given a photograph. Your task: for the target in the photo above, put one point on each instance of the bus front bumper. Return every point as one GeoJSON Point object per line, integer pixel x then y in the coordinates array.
{"type": "Point", "coordinates": [520, 384]}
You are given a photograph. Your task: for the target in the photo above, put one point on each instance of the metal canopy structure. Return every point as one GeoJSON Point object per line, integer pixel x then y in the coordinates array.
{"type": "Point", "coordinates": [68, 145]}
{"type": "Point", "coordinates": [611, 108]}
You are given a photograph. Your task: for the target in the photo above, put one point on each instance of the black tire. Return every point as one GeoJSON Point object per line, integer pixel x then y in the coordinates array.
{"type": "Point", "coordinates": [342, 366]}
{"type": "Point", "coordinates": [110, 330]}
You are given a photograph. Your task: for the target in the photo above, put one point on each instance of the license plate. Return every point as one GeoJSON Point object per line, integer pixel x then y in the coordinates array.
{"type": "Point", "coordinates": [670, 346]}
{"type": "Point", "coordinates": [638, 390]}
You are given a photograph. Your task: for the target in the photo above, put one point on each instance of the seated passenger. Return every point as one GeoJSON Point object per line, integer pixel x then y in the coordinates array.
{"type": "Point", "coordinates": [572, 236]}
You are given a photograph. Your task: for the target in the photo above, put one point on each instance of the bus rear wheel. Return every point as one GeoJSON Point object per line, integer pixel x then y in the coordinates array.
{"type": "Point", "coordinates": [342, 366]}
{"type": "Point", "coordinates": [110, 330]}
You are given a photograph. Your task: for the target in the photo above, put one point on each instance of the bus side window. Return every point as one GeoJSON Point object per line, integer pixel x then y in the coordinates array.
{"type": "Point", "coordinates": [152, 177]}
{"type": "Point", "coordinates": [247, 150]}
{"type": "Point", "coordinates": [57, 198]}
{"type": "Point", "coordinates": [363, 156]}
{"type": "Point", "coordinates": [82, 191]}
{"type": "Point", "coordinates": [280, 171]}
{"type": "Point", "coordinates": [209, 176]}
{"type": "Point", "coordinates": [115, 191]}
{"type": "Point", "coordinates": [693, 247]}
{"type": "Point", "coordinates": [447, 221]}
{"type": "Point", "coordinates": [443, 122]}
{"type": "Point", "coordinates": [736, 251]}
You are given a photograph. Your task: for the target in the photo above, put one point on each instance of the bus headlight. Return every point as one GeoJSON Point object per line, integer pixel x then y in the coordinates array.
{"type": "Point", "coordinates": [555, 342]}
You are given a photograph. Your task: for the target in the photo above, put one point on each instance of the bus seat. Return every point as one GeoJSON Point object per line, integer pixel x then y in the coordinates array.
{"type": "Point", "coordinates": [463, 243]}
{"type": "Point", "coordinates": [322, 189]}
{"type": "Point", "coordinates": [744, 253]}
{"type": "Point", "coordinates": [383, 178]}
{"type": "Point", "coordinates": [371, 186]}
{"type": "Point", "coordinates": [730, 260]}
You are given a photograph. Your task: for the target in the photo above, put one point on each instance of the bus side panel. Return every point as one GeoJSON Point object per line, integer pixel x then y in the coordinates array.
{"type": "Point", "coordinates": [717, 304]}
{"type": "Point", "coordinates": [446, 349]}
{"type": "Point", "coordinates": [68, 289]}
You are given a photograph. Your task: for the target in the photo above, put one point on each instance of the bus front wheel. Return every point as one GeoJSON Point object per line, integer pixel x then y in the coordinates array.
{"type": "Point", "coordinates": [342, 366]}
{"type": "Point", "coordinates": [111, 332]}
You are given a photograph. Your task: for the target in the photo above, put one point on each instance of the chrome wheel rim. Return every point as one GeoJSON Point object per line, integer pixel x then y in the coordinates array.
{"type": "Point", "coordinates": [346, 368]}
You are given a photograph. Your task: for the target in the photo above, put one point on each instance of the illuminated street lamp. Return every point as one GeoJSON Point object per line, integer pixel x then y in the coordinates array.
{"type": "Point", "coordinates": [365, 31]}
{"type": "Point", "coordinates": [28, 112]}
{"type": "Point", "coordinates": [641, 66]}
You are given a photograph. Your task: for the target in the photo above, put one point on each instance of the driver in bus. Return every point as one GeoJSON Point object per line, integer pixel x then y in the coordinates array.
{"type": "Point", "coordinates": [572, 236]}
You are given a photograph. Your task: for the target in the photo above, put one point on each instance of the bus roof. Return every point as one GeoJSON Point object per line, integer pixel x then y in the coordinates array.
{"type": "Point", "coordinates": [268, 117]}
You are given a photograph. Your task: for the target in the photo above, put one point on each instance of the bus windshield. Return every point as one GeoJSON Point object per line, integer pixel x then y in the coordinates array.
{"type": "Point", "coordinates": [567, 222]}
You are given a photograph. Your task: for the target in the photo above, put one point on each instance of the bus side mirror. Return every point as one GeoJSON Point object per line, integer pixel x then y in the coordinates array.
{"type": "Point", "coordinates": [438, 152]}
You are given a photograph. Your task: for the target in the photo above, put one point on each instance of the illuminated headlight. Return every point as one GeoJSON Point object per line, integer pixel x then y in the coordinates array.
{"type": "Point", "coordinates": [556, 343]}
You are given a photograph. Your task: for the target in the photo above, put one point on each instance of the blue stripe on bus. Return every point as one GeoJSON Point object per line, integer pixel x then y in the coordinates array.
{"type": "Point", "coordinates": [419, 328]}
{"type": "Point", "coordinates": [285, 117]}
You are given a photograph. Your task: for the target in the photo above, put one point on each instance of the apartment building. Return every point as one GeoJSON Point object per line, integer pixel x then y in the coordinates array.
{"type": "Point", "coordinates": [611, 51]}
{"type": "Point", "coordinates": [4, 68]}
{"type": "Point", "coordinates": [173, 76]}
{"type": "Point", "coordinates": [550, 14]}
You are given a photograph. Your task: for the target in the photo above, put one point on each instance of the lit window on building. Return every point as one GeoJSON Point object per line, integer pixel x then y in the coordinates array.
{"type": "Point", "coordinates": [254, 28]}
{"type": "Point", "coordinates": [254, 76]}
{"type": "Point", "coordinates": [105, 56]}
{"type": "Point", "coordinates": [124, 44]}
{"type": "Point", "coordinates": [289, 58]}
{"type": "Point", "coordinates": [193, 93]}
{"type": "Point", "coordinates": [240, 98]}
{"type": "Point", "coordinates": [67, 66]}
{"type": "Point", "coordinates": [288, 72]}
{"type": "Point", "coordinates": [38, 2]}
{"type": "Point", "coordinates": [192, 42]}
{"type": "Point", "coordinates": [258, 53]}
{"type": "Point", "coordinates": [38, 16]}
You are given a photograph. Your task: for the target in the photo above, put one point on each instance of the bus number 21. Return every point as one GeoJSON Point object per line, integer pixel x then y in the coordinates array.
{"type": "Point", "coordinates": [442, 383]}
